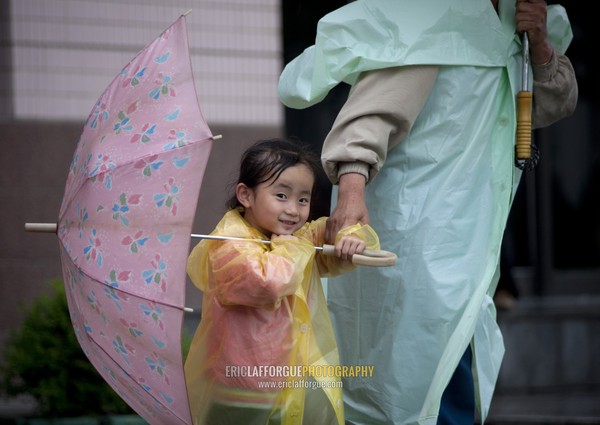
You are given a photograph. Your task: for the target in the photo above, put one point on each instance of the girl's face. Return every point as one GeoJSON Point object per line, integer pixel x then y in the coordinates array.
{"type": "Point", "coordinates": [280, 205]}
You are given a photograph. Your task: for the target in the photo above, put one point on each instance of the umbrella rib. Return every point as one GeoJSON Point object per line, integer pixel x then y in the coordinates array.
{"type": "Point", "coordinates": [132, 378]}
{"type": "Point", "coordinates": [87, 177]}
{"type": "Point", "coordinates": [131, 293]}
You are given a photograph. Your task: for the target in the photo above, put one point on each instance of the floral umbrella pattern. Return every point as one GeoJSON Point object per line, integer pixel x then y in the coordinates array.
{"type": "Point", "coordinates": [125, 225]}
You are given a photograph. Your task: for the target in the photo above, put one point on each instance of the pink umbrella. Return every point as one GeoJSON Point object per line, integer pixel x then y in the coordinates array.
{"type": "Point", "coordinates": [125, 223]}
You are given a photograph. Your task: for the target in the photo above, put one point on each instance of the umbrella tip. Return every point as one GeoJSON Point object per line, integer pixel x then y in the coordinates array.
{"type": "Point", "coordinates": [217, 137]}
{"type": "Point", "coordinates": [188, 12]}
{"type": "Point", "coordinates": [41, 227]}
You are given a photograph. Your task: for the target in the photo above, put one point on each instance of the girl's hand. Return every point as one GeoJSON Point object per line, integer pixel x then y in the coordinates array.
{"type": "Point", "coordinates": [347, 246]}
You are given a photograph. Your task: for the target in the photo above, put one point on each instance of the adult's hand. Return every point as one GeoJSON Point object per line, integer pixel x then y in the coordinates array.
{"type": "Point", "coordinates": [531, 18]}
{"type": "Point", "coordinates": [351, 207]}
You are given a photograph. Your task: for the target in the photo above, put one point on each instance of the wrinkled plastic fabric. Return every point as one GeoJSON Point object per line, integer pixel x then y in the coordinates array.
{"type": "Point", "coordinates": [376, 34]}
{"type": "Point", "coordinates": [264, 305]}
{"type": "Point", "coordinates": [414, 321]}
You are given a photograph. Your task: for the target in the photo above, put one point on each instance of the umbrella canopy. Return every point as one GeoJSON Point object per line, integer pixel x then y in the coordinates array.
{"type": "Point", "coordinates": [125, 222]}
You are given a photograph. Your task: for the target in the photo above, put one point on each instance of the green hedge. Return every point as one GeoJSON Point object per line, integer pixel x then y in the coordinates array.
{"type": "Point", "coordinates": [106, 420]}
{"type": "Point", "coordinates": [43, 359]}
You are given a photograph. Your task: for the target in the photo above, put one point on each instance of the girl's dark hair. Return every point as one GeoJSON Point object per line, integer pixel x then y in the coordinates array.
{"type": "Point", "coordinates": [269, 158]}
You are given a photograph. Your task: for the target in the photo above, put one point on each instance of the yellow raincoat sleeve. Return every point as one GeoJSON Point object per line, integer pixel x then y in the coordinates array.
{"type": "Point", "coordinates": [329, 265]}
{"type": "Point", "coordinates": [250, 273]}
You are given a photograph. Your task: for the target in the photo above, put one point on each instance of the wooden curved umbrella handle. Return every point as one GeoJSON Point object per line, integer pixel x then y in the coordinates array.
{"type": "Point", "coordinates": [373, 258]}
{"type": "Point", "coordinates": [523, 147]}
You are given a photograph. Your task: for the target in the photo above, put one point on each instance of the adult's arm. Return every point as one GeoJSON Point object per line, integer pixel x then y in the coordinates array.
{"type": "Point", "coordinates": [555, 91]}
{"type": "Point", "coordinates": [379, 113]}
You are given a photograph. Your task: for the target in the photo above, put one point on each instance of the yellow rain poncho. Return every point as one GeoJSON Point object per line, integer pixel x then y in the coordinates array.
{"type": "Point", "coordinates": [440, 202]}
{"type": "Point", "coordinates": [264, 320]}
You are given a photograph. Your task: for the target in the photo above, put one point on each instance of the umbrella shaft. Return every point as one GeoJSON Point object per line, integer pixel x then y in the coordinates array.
{"type": "Point", "coordinates": [231, 238]}
{"type": "Point", "coordinates": [525, 74]}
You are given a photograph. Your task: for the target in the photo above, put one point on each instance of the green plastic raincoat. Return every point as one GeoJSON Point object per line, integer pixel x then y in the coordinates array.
{"type": "Point", "coordinates": [263, 313]}
{"type": "Point", "coordinates": [440, 203]}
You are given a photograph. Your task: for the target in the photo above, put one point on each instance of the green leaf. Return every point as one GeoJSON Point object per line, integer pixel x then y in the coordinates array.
{"type": "Point", "coordinates": [42, 358]}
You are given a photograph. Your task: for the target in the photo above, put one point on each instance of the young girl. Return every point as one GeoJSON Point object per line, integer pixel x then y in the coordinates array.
{"type": "Point", "coordinates": [264, 314]}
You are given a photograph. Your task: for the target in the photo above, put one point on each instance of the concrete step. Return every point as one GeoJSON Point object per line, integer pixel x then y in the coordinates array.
{"type": "Point", "coordinates": [551, 406]}
{"type": "Point", "coordinates": [551, 369]}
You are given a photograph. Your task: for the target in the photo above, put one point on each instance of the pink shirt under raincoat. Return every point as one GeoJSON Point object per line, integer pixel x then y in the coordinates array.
{"type": "Point", "coordinates": [264, 316]}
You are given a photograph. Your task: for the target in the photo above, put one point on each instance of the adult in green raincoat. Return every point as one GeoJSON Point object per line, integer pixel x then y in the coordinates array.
{"type": "Point", "coordinates": [433, 97]}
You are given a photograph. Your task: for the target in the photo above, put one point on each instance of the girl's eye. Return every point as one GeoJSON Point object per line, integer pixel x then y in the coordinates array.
{"type": "Point", "coordinates": [304, 201]}
{"type": "Point", "coordinates": [281, 195]}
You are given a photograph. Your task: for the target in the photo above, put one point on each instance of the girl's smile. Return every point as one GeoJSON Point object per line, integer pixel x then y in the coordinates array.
{"type": "Point", "coordinates": [281, 205]}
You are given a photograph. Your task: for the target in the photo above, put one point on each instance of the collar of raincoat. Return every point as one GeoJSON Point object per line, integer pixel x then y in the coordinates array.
{"type": "Point", "coordinates": [375, 34]}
